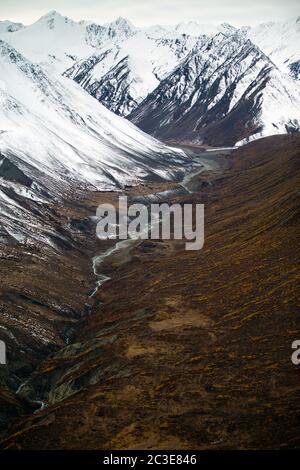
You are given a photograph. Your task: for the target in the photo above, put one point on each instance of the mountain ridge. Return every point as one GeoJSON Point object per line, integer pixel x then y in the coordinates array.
{"type": "Point", "coordinates": [121, 65]}
{"type": "Point", "coordinates": [61, 139]}
{"type": "Point", "coordinates": [224, 93]}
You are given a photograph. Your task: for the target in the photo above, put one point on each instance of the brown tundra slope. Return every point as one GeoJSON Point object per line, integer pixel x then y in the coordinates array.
{"type": "Point", "coordinates": [190, 349]}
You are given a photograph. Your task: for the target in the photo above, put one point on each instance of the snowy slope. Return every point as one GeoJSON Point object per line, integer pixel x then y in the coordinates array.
{"type": "Point", "coordinates": [55, 138]}
{"type": "Point", "coordinates": [280, 41]}
{"type": "Point", "coordinates": [115, 79]}
{"type": "Point", "coordinates": [116, 62]}
{"type": "Point", "coordinates": [225, 91]}
{"type": "Point", "coordinates": [56, 41]}
{"type": "Point", "coordinates": [193, 28]}
{"type": "Point", "coordinates": [10, 27]}
{"type": "Point", "coordinates": [122, 75]}
{"type": "Point", "coordinates": [122, 66]}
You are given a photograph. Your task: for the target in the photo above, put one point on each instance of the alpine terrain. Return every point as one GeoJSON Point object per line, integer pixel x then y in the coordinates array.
{"type": "Point", "coordinates": [201, 77]}
{"type": "Point", "coordinates": [225, 92]}
{"type": "Point", "coordinates": [140, 343]}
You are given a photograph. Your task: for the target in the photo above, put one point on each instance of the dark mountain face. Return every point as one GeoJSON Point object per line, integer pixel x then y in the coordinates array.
{"type": "Point", "coordinates": [121, 76]}
{"type": "Point", "coordinates": [9, 171]}
{"type": "Point", "coordinates": [81, 71]}
{"type": "Point", "coordinates": [295, 70]}
{"type": "Point", "coordinates": [215, 96]}
{"type": "Point", "coordinates": [113, 89]}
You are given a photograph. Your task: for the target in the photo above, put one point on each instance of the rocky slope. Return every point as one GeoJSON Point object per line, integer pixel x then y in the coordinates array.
{"type": "Point", "coordinates": [279, 41]}
{"type": "Point", "coordinates": [121, 65]}
{"type": "Point", "coordinates": [225, 92]}
{"type": "Point", "coordinates": [56, 139]}
{"type": "Point", "coordinates": [56, 145]}
{"type": "Point", "coordinates": [198, 358]}
{"type": "Point", "coordinates": [120, 77]}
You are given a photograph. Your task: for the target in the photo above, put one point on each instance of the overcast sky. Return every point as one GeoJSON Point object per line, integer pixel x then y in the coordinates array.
{"type": "Point", "coordinates": [148, 12]}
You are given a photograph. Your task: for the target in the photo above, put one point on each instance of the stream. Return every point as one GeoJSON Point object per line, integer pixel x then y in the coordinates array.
{"type": "Point", "coordinates": [203, 161]}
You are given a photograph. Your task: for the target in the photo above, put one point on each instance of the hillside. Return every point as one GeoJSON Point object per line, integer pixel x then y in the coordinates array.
{"type": "Point", "coordinates": [197, 357]}
{"type": "Point", "coordinates": [55, 140]}
{"type": "Point", "coordinates": [225, 92]}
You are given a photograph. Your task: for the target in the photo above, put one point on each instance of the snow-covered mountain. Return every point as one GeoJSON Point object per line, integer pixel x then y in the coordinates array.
{"type": "Point", "coordinates": [280, 41]}
{"type": "Point", "coordinates": [225, 91]}
{"type": "Point", "coordinates": [193, 28]}
{"type": "Point", "coordinates": [125, 68]}
{"type": "Point", "coordinates": [121, 75]}
{"type": "Point", "coordinates": [56, 41]}
{"type": "Point", "coordinates": [56, 139]}
{"type": "Point", "coordinates": [116, 62]}
{"type": "Point", "coordinates": [10, 27]}
{"type": "Point", "coordinates": [120, 64]}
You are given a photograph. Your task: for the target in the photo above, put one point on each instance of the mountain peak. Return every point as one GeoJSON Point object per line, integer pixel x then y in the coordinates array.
{"type": "Point", "coordinates": [121, 27]}
{"type": "Point", "coordinates": [54, 16]}
{"type": "Point", "coordinates": [7, 26]}
{"type": "Point", "coordinates": [120, 20]}
{"type": "Point", "coordinates": [121, 24]}
{"type": "Point", "coordinates": [227, 27]}
{"type": "Point", "coordinates": [51, 14]}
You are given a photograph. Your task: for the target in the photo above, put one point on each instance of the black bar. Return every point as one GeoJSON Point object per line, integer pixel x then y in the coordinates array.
{"type": "Point", "coordinates": [152, 458]}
